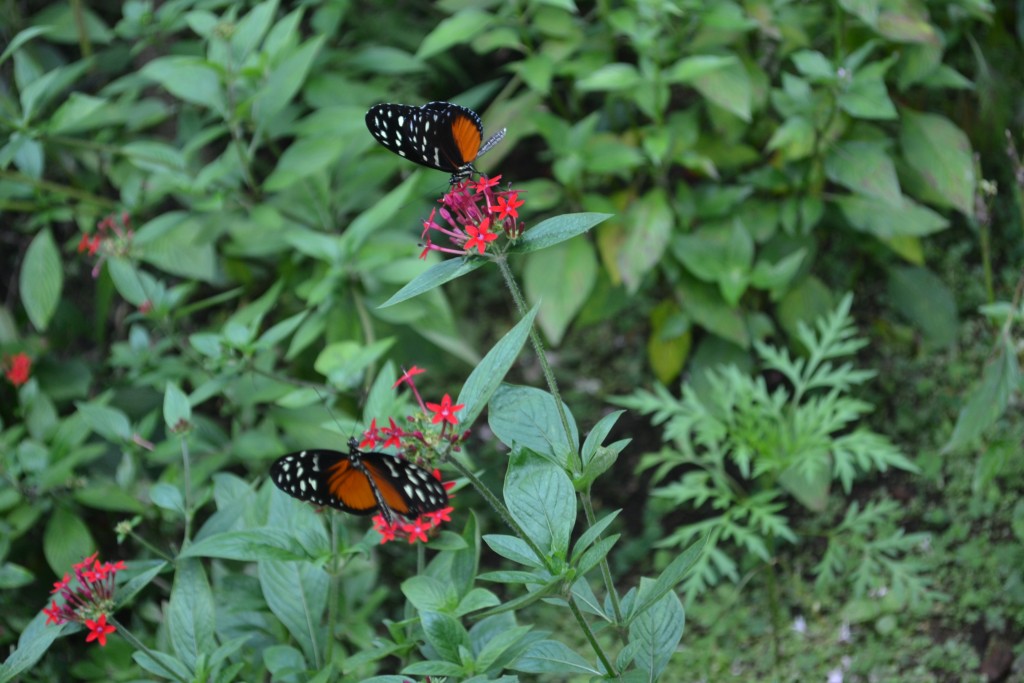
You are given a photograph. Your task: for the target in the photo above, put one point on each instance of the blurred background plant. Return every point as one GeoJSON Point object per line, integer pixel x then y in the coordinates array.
{"type": "Point", "coordinates": [191, 199]}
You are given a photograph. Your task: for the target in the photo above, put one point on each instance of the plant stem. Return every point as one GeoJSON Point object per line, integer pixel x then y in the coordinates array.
{"type": "Point", "coordinates": [538, 348]}
{"type": "Point", "coordinates": [606, 572]}
{"type": "Point", "coordinates": [139, 645]}
{"type": "Point", "coordinates": [499, 507]}
{"type": "Point", "coordinates": [186, 465]}
{"type": "Point", "coordinates": [589, 633]}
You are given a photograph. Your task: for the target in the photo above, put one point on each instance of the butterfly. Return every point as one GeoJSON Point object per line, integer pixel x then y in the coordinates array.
{"type": "Point", "coordinates": [359, 482]}
{"type": "Point", "coordinates": [437, 135]}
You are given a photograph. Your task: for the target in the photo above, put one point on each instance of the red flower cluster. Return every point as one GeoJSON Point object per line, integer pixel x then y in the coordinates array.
{"type": "Point", "coordinates": [17, 368]}
{"type": "Point", "coordinates": [90, 602]}
{"type": "Point", "coordinates": [112, 236]}
{"type": "Point", "coordinates": [415, 442]}
{"type": "Point", "coordinates": [473, 211]}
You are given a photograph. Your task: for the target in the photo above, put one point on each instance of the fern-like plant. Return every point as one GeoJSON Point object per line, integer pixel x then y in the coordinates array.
{"type": "Point", "coordinates": [748, 449]}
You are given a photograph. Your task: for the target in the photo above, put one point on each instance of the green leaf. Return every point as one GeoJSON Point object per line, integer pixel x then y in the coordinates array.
{"type": "Point", "coordinates": [33, 643]}
{"type": "Point", "coordinates": [588, 537]}
{"type": "Point", "coordinates": [168, 497]}
{"type": "Point", "coordinates": [458, 29]}
{"type": "Point", "coordinates": [541, 499]}
{"type": "Point", "coordinates": [343, 363]}
{"type": "Point", "coordinates": [867, 96]}
{"type": "Point", "coordinates": [429, 593]}
{"type": "Point", "coordinates": [177, 410]}
{"type": "Point", "coordinates": [527, 417]}
{"type": "Point", "coordinates": [513, 548]}
{"type": "Point", "coordinates": [648, 226]}
{"type": "Point", "coordinates": [722, 80]}
{"type": "Point", "coordinates": [134, 585]}
{"type": "Point", "coordinates": [285, 80]}
{"type": "Point", "coordinates": [486, 377]}
{"type": "Point", "coordinates": [191, 79]}
{"type": "Point", "coordinates": [941, 156]}
{"type": "Point", "coordinates": [303, 158]}
{"type": "Point", "coordinates": [557, 229]}
{"type": "Point", "coordinates": [724, 255]}
{"type": "Point", "coordinates": [41, 280]}
{"type": "Point", "coordinates": [445, 634]}
{"type": "Point", "coordinates": [865, 168]}
{"type": "Point", "coordinates": [705, 305]}
{"type": "Point", "coordinates": [436, 276]}
{"type": "Point", "coordinates": [552, 657]}
{"type": "Point", "coordinates": [14, 576]}
{"type": "Point", "coordinates": [653, 591]}
{"type": "Point", "coordinates": [296, 593]}
{"type": "Point", "coordinates": [190, 618]}
{"type": "Point", "coordinates": [21, 38]}
{"type": "Point", "coordinates": [561, 277]}
{"type": "Point", "coordinates": [886, 221]}
{"type": "Point", "coordinates": [180, 244]}
{"type": "Point", "coordinates": [989, 400]}
{"type": "Point", "coordinates": [254, 544]}
{"type": "Point", "coordinates": [78, 114]}
{"type": "Point", "coordinates": [924, 299]}
{"type": "Point", "coordinates": [250, 29]}
{"type": "Point", "coordinates": [598, 434]}
{"type": "Point", "coordinates": [656, 633]}
{"type": "Point", "coordinates": [110, 423]}
{"type": "Point", "coordinates": [66, 541]}
{"type": "Point", "coordinates": [610, 77]}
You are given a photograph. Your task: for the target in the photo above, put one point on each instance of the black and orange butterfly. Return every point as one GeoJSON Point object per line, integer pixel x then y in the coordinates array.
{"type": "Point", "coordinates": [359, 482]}
{"type": "Point", "coordinates": [437, 135]}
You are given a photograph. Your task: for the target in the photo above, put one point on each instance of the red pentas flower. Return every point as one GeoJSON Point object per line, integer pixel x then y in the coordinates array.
{"type": "Point", "coordinates": [471, 213]}
{"type": "Point", "coordinates": [90, 601]}
{"type": "Point", "coordinates": [419, 442]}
{"type": "Point", "coordinates": [445, 411]}
{"type": "Point", "coordinates": [17, 368]}
{"type": "Point", "coordinates": [113, 236]}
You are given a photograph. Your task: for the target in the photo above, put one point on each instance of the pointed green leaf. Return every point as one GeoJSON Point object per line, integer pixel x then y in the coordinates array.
{"type": "Point", "coordinates": [190, 618]}
{"type": "Point", "coordinates": [557, 229]}
{"type": "Point", "coordinates": [41, 280]}
{"type": "Point", "coordinates": [486, 377]}
{"type": "Point", "coordinates": [437, 275]}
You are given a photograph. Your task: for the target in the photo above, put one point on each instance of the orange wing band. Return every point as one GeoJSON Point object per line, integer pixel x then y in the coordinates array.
{"type": "Point", "coordinates": [467, 137]}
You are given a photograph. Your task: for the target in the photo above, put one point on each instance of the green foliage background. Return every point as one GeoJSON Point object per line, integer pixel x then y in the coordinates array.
{"type": "Point", "coordinates": [759, 159]}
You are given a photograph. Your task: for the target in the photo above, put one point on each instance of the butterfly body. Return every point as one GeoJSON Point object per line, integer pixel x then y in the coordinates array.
{"type": "Point", "coordinates": [359, 482]}
{"type": "Point", "coordinates": [438, 135]}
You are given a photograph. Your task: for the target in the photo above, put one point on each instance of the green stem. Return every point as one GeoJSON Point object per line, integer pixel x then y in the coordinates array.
{"type": "Point", "coordinates": [596, 646]}
{"type": "Point", "coordinates": [498, 507]}
{"type": "Point", "coordinates": [538, 348]}
{"type": "Point", "coordinates": [186, 463]}
{"type": "Point", "coordinates": [606, 572]}
{"type": "Point", "coordinates": [152, 548]}
{"type": "Point", "coordinates": [57, 188]}
{"type": "Point", "coordinates": [139, 645]}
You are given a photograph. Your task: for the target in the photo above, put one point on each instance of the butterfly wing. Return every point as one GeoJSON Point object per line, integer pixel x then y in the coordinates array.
{"type": "Point", "coordinates": [438, 135]}
{"type": "Point", "coordinates": [406, 488]}
{"type": "Point", "coordinates": [324, 477]}
{"type": "Point", "coordinates": [359, 483]}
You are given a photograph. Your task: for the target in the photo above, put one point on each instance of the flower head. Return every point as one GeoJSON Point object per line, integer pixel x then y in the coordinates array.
{"type": "Point", "coordinates": [90, 601]}
{"type": "Point", "coordinates": [470, 215]}
{"type": "Point", "coordinates": [113, 236]}
{"type": "Point", "coordinates": [17, 368]}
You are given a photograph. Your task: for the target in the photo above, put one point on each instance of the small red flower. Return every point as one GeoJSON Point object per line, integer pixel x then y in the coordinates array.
{"type": "Point", "coordinates": [444, 411]}
{"type": "Point", "coordinates": [417, 531]}
{"type": "Point", "coordinates": [18, 368]}
{"type": "Point", "coordinates": [58, 586]}
{"type": "Point", "coordinates": [485, 183]}
{"type": "Point", "coordinates": [98, 630]}
{"type": "Point", "coordinates": [53, 614]}
{"type": "Point", "coordinates": [480, 236]}
{"type": "Point", "coordinates": [507, 206]}
{"type": "Point", "coordinates": [394, 434]}
{"type": "Point", "coordinates": [370, 437]}
{"type": "Point", "coordinates": [408, 375]}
